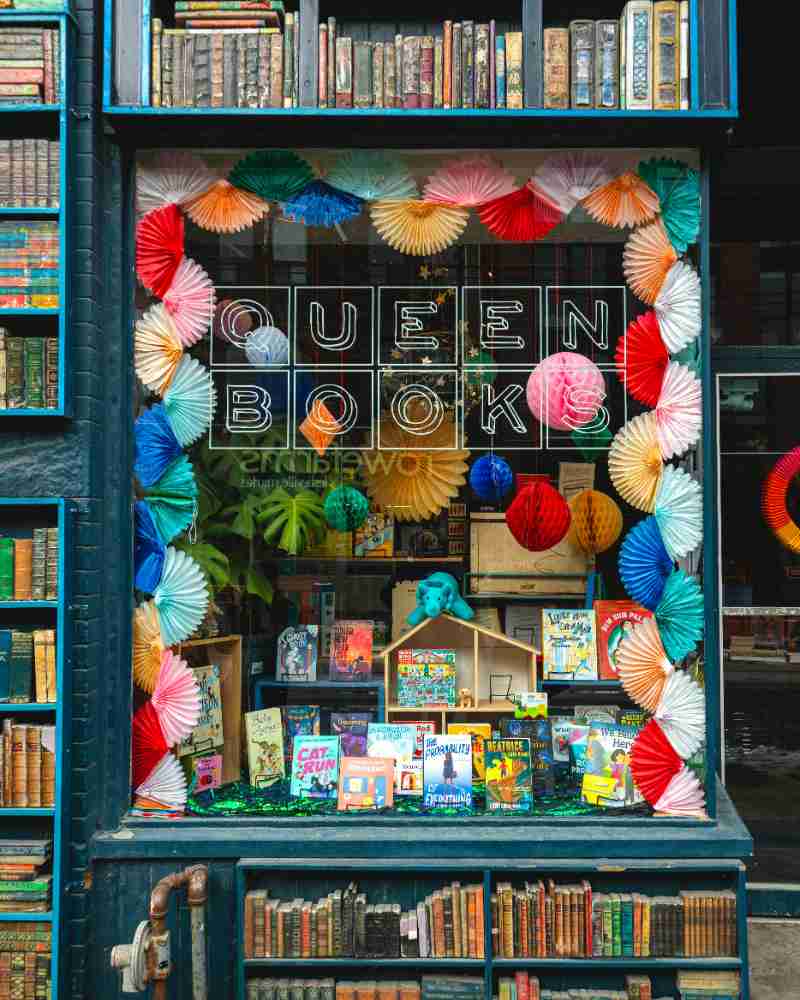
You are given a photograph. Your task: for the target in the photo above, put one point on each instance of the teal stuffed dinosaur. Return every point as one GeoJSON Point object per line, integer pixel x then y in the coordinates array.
{"type": "Point", "coordinates": [438, 593]}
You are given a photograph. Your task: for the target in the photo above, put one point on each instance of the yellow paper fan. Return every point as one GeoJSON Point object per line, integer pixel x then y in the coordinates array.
{"type": "Point", "coordinates": [157, 349]}
{"type": "Point", "coordinates": [634, 462]}
{"type": "Point", "coordinates": [643, 665]}
{"type": "Point", "coordinates": [147, 646]}
{"type": "Point", "coordinates": [224, 208]}
{"type": "Point", "coordinates": [625, 201]}
{"type": "Point", "coordinates": [418, 227]}
{"type": "Point", "coordinates": [646, 260]}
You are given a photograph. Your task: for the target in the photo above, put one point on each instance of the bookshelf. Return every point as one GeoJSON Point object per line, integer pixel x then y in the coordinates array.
{"type": "Point", "coordinates": [17, 516]}
{"type": "Point", "coordinates": [52, 122]}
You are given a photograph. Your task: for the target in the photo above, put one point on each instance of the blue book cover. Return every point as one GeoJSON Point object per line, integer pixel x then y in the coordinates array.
{"type": "Point", "coordinates": [315, 767]}
{"type": "Point", "coordinates": [447, 771]}
{"type": "Point", "coordinates": [500, 71]}
{"type": "Point", "coordinates": [5, 664]}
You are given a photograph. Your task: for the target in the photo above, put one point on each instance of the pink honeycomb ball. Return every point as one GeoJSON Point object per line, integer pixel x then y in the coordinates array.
{"type": "Point", "coordinates": [565, 391]}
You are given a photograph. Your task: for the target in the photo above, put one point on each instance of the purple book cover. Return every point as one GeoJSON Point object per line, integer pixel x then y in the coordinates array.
{"type": "Point", "coordinates": [351, 728]}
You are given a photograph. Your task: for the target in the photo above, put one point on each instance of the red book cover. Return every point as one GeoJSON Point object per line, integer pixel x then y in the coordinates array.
{"type": "Point", "coordinates": [521, 979]}
{"type": "Point", "coordinates": [351, 651]}
{"type": "Point", "coordinates": [426, 73]}
{"type": "Point", "coordinates": [614, 620]}
{"type": "Point", "coordinates": [21, 76]}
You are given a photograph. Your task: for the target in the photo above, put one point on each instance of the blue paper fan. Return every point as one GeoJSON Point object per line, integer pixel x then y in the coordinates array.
{"type": "Point", "coordinates": [172, 500]}
{"type": "Point", "coordinates": [190, 400]}
{"type": "Point", "coordinates": [319, 204]}
{"type": "Point", "coordinates": [148, 550]}
{"type": "Point", "coordinates": [181, 597]}
{"type": "Point", "coordinates": [679, 616]}
{"type": "Point", "coordinates": [491, 478]}
{"type": "Point", "coordinates": [679, 512]}
{"type": "Point", "coordinates": [373, 176]}
{"type": "Point", "coordinates": [644, 563]}
{"type": "Point", "coordinates": [155, 445]}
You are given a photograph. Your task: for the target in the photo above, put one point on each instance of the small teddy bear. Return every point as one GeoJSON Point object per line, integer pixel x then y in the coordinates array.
{"type": "Point", "coordinates": [465, 699]}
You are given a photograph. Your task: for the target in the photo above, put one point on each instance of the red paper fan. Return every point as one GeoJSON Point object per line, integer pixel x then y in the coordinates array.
{"type": "Point", "coordinates": [654, 762]}
{"type": "Point", "coordinates": [148, 745]}
{"type": "Point", "coordinates": [159, 248]}
{"type": "Point", "coordinates": [522, 216]}
{"type": "Point", "coordinates": [642, 359]}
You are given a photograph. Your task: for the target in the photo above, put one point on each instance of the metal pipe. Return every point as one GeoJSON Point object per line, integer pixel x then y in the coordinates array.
{"type": "Point", "coordinates": [197, 894]}
{"type": "Point", "coordinates": [195, 878]}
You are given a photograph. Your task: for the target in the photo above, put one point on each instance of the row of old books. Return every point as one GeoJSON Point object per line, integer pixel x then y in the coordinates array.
{"type": "Point", "coordinates": [29, 265]}
{"type": "Point", "coordinates": [26, 895]}
{"type": "Point", "coordinates": [29, 566]}
{"type": "Point", "coordinates": [525, 987]}
{"type": "Point", "coordinates": [28, 372]}
{"type": "Point", "coordinates": [709, 984]}
{"type": "Point", "coordinates": [30, 65]}
{"type": "Point", "coordinates": [28, 666]}
{"type": "Point", "coordinates": [639, 61]}
{"type": "Point", "coordinates": [29, 173]}
{"type": "Point", "coordinates": [28, 771]}
{"type": "Point", "coordinates": [25, 948]}
{"type": "Point", "coordinates": [543, 920]}
{"type": "Point", "coordinates": [469, 66]}
{"type": "Point", "coordinates": [430, 988]}
{"type": "Point", "coordinates": [213, 14]}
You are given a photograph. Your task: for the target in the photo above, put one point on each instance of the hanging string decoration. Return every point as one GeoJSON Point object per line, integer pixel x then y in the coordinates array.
{"type": "Point", "coordinates": [773, 500]}
{"type": "Point", "coordinates": [418, 228]}
{"type": "Point", "coordinates": [272, 174]}
{"type": "Point", "coordinates": [172, 499]}
{"type": "Point", "coordinates": [522, 216]}
{"type": "Point", "coordinates": [190, 301]}
{"type": "Point", "coordinates": [569, 178]}
{"type": "Point", "coordinates": [538, 517]}
{"type": "Point", "coordinates": [596, 521]}
{"type": "Point", "coordinates": [634, 462]}
{"type": "Point", "coordinates": [181, 597]}
{"type": "Point", "coordinates": [565, 391]}
{"type": "Point", "coordinates": [373, 175]}
{"type": "Point", "coordinates": [646, 260]}
{"type": "Point", "coordinates": [491, 478]}
{"type": "Point", "coordinates": [155, 445]}
{"type": "Point", "coordinates": [170, 178]}
{"type": "Point", "coordinates": [623, 202]}
{"type": "Point", "coordinates": [469, 182]}
{"type": "Point", "coordinates": [345, 508]}
{"type": "Point", "coordinates": [149, 551]}
{"type": "Point", "coordinates": [224, 208]}
{"type": "Point", "coordinates": [678, 190]}
{"type": "Point", "coordinates": [679, 512]}
{"type": "Point", "coordinates": [644, 563]}
{"type": "Point", "coordinates": [159, 248]}
{"type": "Point", "coordinates": [678, 307]}
{"type": "Point", "coordinates": [157, 349]}
{"type": "Point", "coordinates": [643, 664]}
{"type": "Point", "coordinates": [190, 401]}
{"type": "Point", "coordinates": [641, 359]}
{"type": "Point", "coordinates": [319, 204]}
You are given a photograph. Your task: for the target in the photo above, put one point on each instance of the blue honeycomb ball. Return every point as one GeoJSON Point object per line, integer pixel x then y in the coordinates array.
{"type": "Point", "coordinates": [491, 478]}
{"type": "Point", "coordinates": [345, 508]}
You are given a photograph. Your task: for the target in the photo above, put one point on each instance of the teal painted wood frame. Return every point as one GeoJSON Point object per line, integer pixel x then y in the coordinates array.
{"type": "Point", "coordinates": [62, 114]}
{"type": "Point", "coordinates": [63, 512]}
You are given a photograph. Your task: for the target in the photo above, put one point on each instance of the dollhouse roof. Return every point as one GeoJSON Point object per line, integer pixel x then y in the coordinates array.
{"type": "Point", "coordinates": [497, 638]}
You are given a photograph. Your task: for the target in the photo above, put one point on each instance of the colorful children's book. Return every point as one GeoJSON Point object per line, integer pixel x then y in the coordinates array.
{"type": "Point", "coordinates": [365, 783]}
{"type": "Point", "coordinates": [568, 644]}
{"type": "Point", "coordinates": [351, 728]}
{"type": "Point", "coordinates": [531, 705]}
{"type": "Point", "coordinates": [264, 746]}
{"type": "Point", "coordinates": [351, 651]}
{"type": "Point", "coordinates": [298, 647]}
{"type": "Point", "coordinates": [423, 729]}
{"type": "Point", "coordinates": [393, 740]}
{"type": "Point", "coordinates": [447, 771]}
{"type": "Point", "coordinates": [509, 786]}
{"type": "Point", "coordinates": [409, 777]}
{"type": "Point", "coordinates": [426, 678]}
{"type": "Point", "coordinates": [208, 772]}
{"type": "Point", "coordinates": [607, 778]}
{"type": "Point", "coordinates": [614, 619]}
{"type": "Point", "coordinates": [207, 734]}
{"type": "Point", "coordinates": [540, 737]}
{"type": "Point", "coordinates": [480, 732]}
{"type": "Point", "coordinates": [298, 720]}
{"type": "Point", "coordinates": [315, 767]}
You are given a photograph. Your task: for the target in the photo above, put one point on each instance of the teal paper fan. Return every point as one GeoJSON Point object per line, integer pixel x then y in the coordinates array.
{"type": "Point", "coordinates": [190, 400]}
{"type": "Point", "coordinates": [173, 499]}
{"type": "Point", "coordinates": [679, 512]}
{"type": "Point", "coordinates": [181, 597]}
{"type": "Point", "coordinates": [272, 174]}
{"type": "Point", "coordinates": [679, 616]}
{"type": "Point", "coordinates": [373, 176]}
{"type": "Point", "coordinates": [678, 190]}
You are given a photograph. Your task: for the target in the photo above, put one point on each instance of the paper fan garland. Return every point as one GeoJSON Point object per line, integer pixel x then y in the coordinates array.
{"type": "Point", "coordinates": [679, 512]}
{"type": "Point", "coordinates": [272, 174]}
{"type": "Point", "coordinates": [681, 714]}
{"type": "Point", "coordinates": [171, 178]}
{"type": "Point", "coordinates": [176, 698]}
{"type": "Point", "coordinates": [773, 500]}
{"type": "Point", "coordinates": [418, 228]}
{"type": "Point", "coordinates": [267, 346]}
{"type": "Point", "coordinates": [634, 462]}
{"type": "Point", "coordinates": [643, 664]}
{"type": "Point", "coordinates": [372, 175]}
{"type": "Point", "coordinates": [469, 182]}
{"type": "Point", "coordinates": [224, 208]}
{"type": "Point", "coordinates": [644, 563]}
{"type": "Point", "coordinates": [680, 615]}
{"type": "Point", "coordinates": [172, 499]}
{"type": "Point", "coordinates": [678, 307]}
{"type": "Point", "coordinates": [181, 597]}
{"type": "Point", "coordinates": [190, 301]}
{"type": "Point", "coordinates": [147, 646]}
{"type": "Point", "coordinates": [157, 350]}
{"type": "Point", "coordinates": [155, 445]}
{"type": "Point", "coordinates": [522, 216]}
{"type": "Point", "coordinates": [164, 786]}
{"type": "Point", "coordinates": [319, 204]}
{"type": "Point", "coordinates": [641, 359]}
{"type": "Point", "coordinates": [683, 796]}
{"type": "Point", "coordinates": [565, 391]}
{"type": "Point", "coordinates": [159, 248]}
{"type": "Point", "coordinates": [646, 260]}
{"type": "Point", "coordinates": [149, 551]}
{"type": "Point", "coordinates": [624, 202]}
{"type": "Point", "coordinates": [569, 178]}
{"type": "Point", "coordinates": [679, 416]}
{"type": "Point", "coordinates": [190, 401]}
{"type": "Point", "coordinates": [148, 745]}
{"type": "Point", "coordinates": [678, 190]}
{"type": "Point", "coordinates": [654, 762]}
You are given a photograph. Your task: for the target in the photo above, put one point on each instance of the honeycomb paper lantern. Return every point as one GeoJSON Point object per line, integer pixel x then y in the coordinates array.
{"type": "Point", "coordinates": [596, 521]}
{"type": "Point", "coordinates": [491, 478]}
{"type": "Point", "coordinates": [539, 517]}
{"type": "Point", "coordinates": [565, 391]}
{"type": "Point", "coordinates": [345, 508]}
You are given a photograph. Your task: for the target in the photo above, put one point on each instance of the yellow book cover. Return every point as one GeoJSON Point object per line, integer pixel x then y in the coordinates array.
{"type": "Point", "coordinates": [479, 731]}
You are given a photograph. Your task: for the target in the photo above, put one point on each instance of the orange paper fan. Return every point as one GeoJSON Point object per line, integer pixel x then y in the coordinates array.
{"type": "Point", "coordinates": [226, 209]}
{"type": "Point", "coordinates": [647, 258]}
{"type": "Point", "coordinates": [643, 665]}
{"type": "Point", "coordinates": [418, 227]}
{"type": "Point", "coordinates": [147, 646]}
{"type": "Point", "coordinates": [626, 201]}
{"type": "Point", "coordinates": [523, 216]}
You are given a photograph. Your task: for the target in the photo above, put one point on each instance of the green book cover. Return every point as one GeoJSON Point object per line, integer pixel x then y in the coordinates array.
{"type": "Point", "coordinates": [6, 569]}
{"type": "Point", "coordinates": [616, 913]}
{"type": "Point", "coordinates": [5, 663]}
{"type": "Point", "coordinates": [608, 927]}
{"type": "Point", "coordinates": [627, 925]}
{"type": "Point", "coordinates": [35, 885]}
{"type": "Point", "coordinates": [21, 666]}
{"type": "Point", "coordinates": [15, 372]}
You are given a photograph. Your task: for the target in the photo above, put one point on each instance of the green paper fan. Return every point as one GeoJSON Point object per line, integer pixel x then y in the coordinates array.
{"type": "Point", "coordinates": [272, 174]}
{"type": "Point", "coordinates": [372, 175]}
{"type": "Point", "coordinates": [171, 500]}
{"type": "Point", "coordinates": [679, 616]}
{"type": "Point", "coordinates": [678, 190]}
{"type": "Point", "coordinates": [592, 444]}
{"type": "Point", "coordinates": [292, 520]}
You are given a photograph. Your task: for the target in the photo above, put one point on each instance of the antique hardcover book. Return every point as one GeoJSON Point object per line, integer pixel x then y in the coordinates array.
{"type": "Point", "coordinates": [229, 68]}
{"type": "Point", "coordinates": [426, 71]}
{"type": "Point", "coordinates": [3, 372]}
{"type": "Point", "coordinates": [666, 55]}
{"type": "Point", "coordinates": [52, 564]}
{"type": "Point", "coordinates": [606, 64]}
{"type": "Point", "coordinates": [39, 565]}
{"type": "Point", "coordinates": [265, 755]}
{"type": "Point", "coordinates": [344, 73]}
{"type": "Point", "coordinates": [638, 19]}
{"type": "Point", "coordinates": [398, 71]}
{"type": "Point", "coordinates": [362, 74]}
{"type": "Point", "coordinates": [684, 54]}
{"type": "Point", "coordinates": [263, 70]}
{"type": "Point", "coordinates": [500, 71]}
{"type": "Point", "coordinates": [217, 91]}
{"type": "Point", "coordinates": [156, 28]}
{"type": "Point", "coordinates": [456, 77]}
{"type": "Point", "coordinates": [15, 372]}
{"type": "Point", "coordinates": [21, 666]}
{"type": "Point", "coordinates": [315, 767]}
{"type": "Point", "coordinates": [377, 75]}
{"type": "Point", "coordinates": [447, 64]}
{"type": "Point", "coordinates": [202, 71]}
{"type": "Point", "coordinates": [468, 64]}
{"type": "Point", "coordinates": [33, 765]}
{"type": "Point", "coordinates": [481, 65]}
{"type": "Point", "coordinates": [438, 73]}
{"type": "Point", "coordinates": [389, 76]}
{"type": "Point", "coordinates": [331, 67]}
{"type": "Point", "coordinates": [5, 664]}
{"type": "Point", "coordinates": [48, 773]}
{"type": "Point", "coordinates": [34, 372]}
{"type": "Point", "coordinates": [250, 72]}
{"type": "Point", "coordinates": [514, 82]}
{"type": "Point", "coordinates": [492, 63]}
{"type": "Point", "coordinates": [276, 71]}
{"type": "Point", "coordinates": [23, 558]}
{"type": "Point", "coordinates": [581, 36]}
{"type": "Point", "coordinates": [6, 569]}
{"type": "Point", "coordinates": [411, 72]}
{"type": "Point", "coordinates": [288, 60]}
{"type": "Point", "coordinates": [322, 67]}
{"type": "Point", "coordinates": [508, 775]}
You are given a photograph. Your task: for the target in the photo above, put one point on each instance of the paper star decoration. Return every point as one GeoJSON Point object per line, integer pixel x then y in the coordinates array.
{"type": "Point", "coordinates": [424, 272]}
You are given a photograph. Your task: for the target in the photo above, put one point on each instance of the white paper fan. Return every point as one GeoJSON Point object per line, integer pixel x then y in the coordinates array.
{"type": "Point", "coordinates": [681, 713]}
{"type": "Point", "coordinates": [181, 597]}
{"type": "Point", "coordinates": [569, 178]}
{"type": "Point", "coordinates": [171, 178]}
{"type": "Point", "coordinates": [679, 512]}
{"type": "Point", "coordinates": [166, 784]}
{"type": "Point", "coordinates": [678, 307]}
{"type": "Point", "coordinates": [679, 417]}
{"type": "Point", "coordinates": [683, 796]}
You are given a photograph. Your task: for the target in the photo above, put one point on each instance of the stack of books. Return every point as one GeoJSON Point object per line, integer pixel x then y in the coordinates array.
{"type": "Point", "coordinates": [27, 765]}
{"type": "Point", "coordinates": [30, 64]}
{"type": "Point", "coordinates": [431, 987]}
{"type": "Point", "coordinates": [25, 895]}
{"type": "Point", "coordinates": [29, 173]}
{"type": "Point", "coordinates": [25, 959]}
{"type": "Point", "coordinates": [28, 666]}
{"type": "Point", "coordinates": [29, 566]}
{"type": "Point", "coordinates": [709, 985]}
{"type": "Point", "coordinates": [28, 372]}
{"type": "Point", "coordinates": [29, 265]}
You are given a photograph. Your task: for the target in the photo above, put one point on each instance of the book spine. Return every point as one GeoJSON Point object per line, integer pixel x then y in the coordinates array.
{"type": "Point", "coordinates": [19, 769]}
{"type": "Point", "coordinates": [229, 64]}
{"type": "Point", "coordinates": [438, 73]}
{"type": "Point", "coordinates": [29, 156]}
{"type": "Point", "coordinates": [514, 88]}
{"type": "Point", "coordinates": [411, 72]}
{"type": "Point", "coordinates": [47, 63]}
{"type": "Point", "coordinates": [288, 59]}
{"type": "Point", "coordinates": [18, 171]}
{"type": "Point", "coordinates": [399, 91]}
{"type": "Point", "coordinates": [666, 55]}
{"type": "Point", "coordinates": [322, 74]}
{"type": "Point", "coordinates": [331, 62]}
{"type": "Point", "coordinates": [51, 667]}
{"type": "Point", "coordinates": [389, 75]}
{"type": "Point", "coordinates": [362, 74]}
{"type": "Point", "coordinates": [57, 82]}
{"type": "Point", "coordinates": [52, 564]}
{"type": "Point", "coordinates": [156, 28]}
{"type": "Point", "coordinates": [34, 372]}
{"type": "Point", "coordinates": [5, 173]}
{"type": "Point", "coordinates": [179, 69]}
{"type": "Point", "coordinates": [638, 55]}
{"type": "Point", "coordinates": [189, 70]}
{"type": "Point", "coordinates": [23, 553]}
{"type": "Point", "coordinates": [447, 64]}
{"type": "Point", "coordinates": [251, 71]}
{"type": "Point", "coordinates": [344, 73]}
{"type": "Point", "coordinates": [38, 564]}
{"type": "Point", "coordinates": [3, 379]}
{"type": "Point", "coordinates": [481, 65]}
{"type": "Point", "coordinates": [468, 64]}
{"type": "Point", "coordinates": [33, 766]}
{"type": "Point", "coordinates": [296, 61]}
{"type": "Point", "coordinates": [684, 55]}
{"type": "Point", "coordinates": [492, 63]}
{"type": "Point", "coordinates": [426, 72]}
{"type": "Point", "coordinates": [263, 70]}
{"type": "Point", "coordinates": [607, 65]}
{"type": "Point", "coordinates": [276, 71]}
{"type": "Point", "coordinates": [500, 71]}
{"type": "Point", "coordinates": [581, 35]}
{"type": "Point", "coordinates": [377, 74]}
{"type": "Point", "coordinates": [51, 372]}
{"type": "Point", "coordinates": [241, 71]}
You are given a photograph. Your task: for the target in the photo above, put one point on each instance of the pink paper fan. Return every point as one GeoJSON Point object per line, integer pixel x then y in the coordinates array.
{"type": "Point", "coordinates": [468, 182]}
{"type": "Point", "coordinates": [190, 301]}
{"type": "Point", "coordinates": [683, 796]}
{"type": "Point", "coordinates": [159, 248]}
{"type": "Point", "coordinates": [569, 178]}
{"type": "Point", "coordinates": [679, 417]}
{"type": "Point", "coordinates": [176, 698]}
